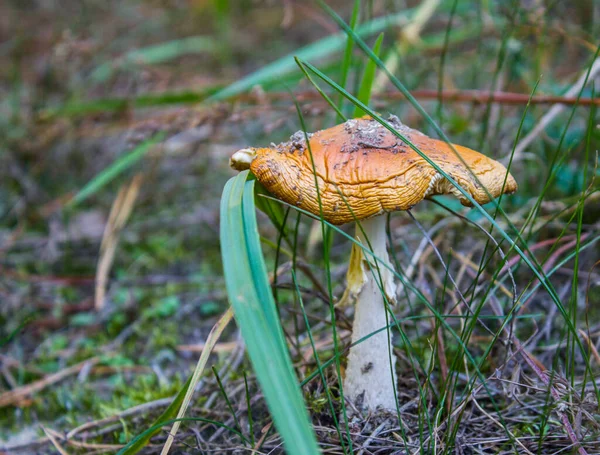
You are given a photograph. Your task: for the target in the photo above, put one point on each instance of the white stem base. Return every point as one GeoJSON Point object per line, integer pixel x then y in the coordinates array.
{"type": "Point", "coordinates": [370, 376]}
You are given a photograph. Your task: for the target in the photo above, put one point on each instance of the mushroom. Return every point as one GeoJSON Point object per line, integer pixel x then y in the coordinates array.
{"type": "Point", "coordinates": [364, 171]}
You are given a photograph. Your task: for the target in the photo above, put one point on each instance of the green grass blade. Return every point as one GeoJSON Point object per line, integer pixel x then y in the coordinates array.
{"type": "Point", "coordinates": [317, 50]}
{"type": "Point", "coordinates": [500, 59]}
{"type": "Point", "coordinates": [139, 442]}
{"type": "Point", "coordinates": [116, 105]}
{"type": "Point", "coordinates": [156, 54]}
{"type": "Point", "coordinates": [321, 92]}
{"type": "Point", "coordinates": [15, 332]}
{"type": "Point", "coordinates": [364, 93]}
{"type": "Point", "coordinates": [258, 270]}
{"type": "Point", "coordinates": [347, 60]}
{"type": "Point", "coordinates": [440, 113]}
{"type": "Point", "coordinates": [250, 295]}
{"type": "Point", "coordinates": [111, 172]}
{"type": "Point", "coordinates": [228, 401]}
{"type": "Point", "coordinates": [249, 408]}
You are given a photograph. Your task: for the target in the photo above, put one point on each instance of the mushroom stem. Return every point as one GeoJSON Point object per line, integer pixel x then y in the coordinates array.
{"type": "Point", "coordinates": [370, 375]}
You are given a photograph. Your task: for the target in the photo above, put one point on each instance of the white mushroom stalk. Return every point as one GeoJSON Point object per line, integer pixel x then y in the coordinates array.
{"type": "Point", "coordinates": [370, 381]}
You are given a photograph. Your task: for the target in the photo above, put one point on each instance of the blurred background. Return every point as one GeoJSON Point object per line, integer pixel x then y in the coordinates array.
{"type": "Point", "coordinates": [117, 120]}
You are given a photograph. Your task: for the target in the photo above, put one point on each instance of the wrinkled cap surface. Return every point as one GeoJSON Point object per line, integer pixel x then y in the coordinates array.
{"type": "Point", "coordinates": [364, 169]}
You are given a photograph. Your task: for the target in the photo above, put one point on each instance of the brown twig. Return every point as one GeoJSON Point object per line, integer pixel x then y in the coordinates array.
{"type": "Point", "coordinates": [52, 437]}
{"type": "Point", "coordinates": [264, 432]}
{"type": "Point", "coordinates": [12, 397]}
{"type": "Point", "coordinates": [227, 346]}
{"type": "Point", "coordinates": [591, 346]}
{"type": "Point", "coordinates": [121, 415]}
{"type": "Point", "coordinates": [55, 436]}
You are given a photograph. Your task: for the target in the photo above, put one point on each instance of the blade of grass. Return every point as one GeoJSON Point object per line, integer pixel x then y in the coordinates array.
{"type": "Point", "coordinates": [250, 295]}
{"type": "Point", "coordinates": [114, 170]}
{"type": "Point", "coordinates": [556, 160]}
{"type": "Point", "coordinates": [211, 340]}
{"type": "Point", "coordinates": [140, 441]}
{"type": "Point", "coordinates": [321, 92]}
{"type": "Point", "coordinates": [228, 401]}
{"type": "Point", "coordinates": [250, 420]}
{"type": "Point", "coordinates": [347, 60]}
{"type": "Point", "coordinates": [298, 296]}
{"type": "Point", "coordinates": [77, 109]}
{"type": "Point", "coordinates": [326, 234]}
{"type": "Point", "coordinates": [364, 92]}
{"type": "Point", "coordinates": [408, 37]}
{"type": "Point", "coordinates": [317, 50]}
{"type": "Point", "coordinates": [14, 333]}
{"type": "Point", "coordinates": [152, 55]}
{"type": "Point", "coordinates": [440, 114]}
{"type": "Point", "coordinates": [508, 31]}
{"type": "Point", "coordinates": [573, 303]}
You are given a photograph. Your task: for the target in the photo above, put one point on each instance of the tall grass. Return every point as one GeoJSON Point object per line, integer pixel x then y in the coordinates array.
{"type": "Point", "coordinates": [453, 399]}
{"type": "Point", "coordinates": [250, 295]}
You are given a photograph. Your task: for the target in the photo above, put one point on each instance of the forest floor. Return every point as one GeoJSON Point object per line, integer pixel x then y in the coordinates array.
{"type": "Point", "coordinates": [111, 276]}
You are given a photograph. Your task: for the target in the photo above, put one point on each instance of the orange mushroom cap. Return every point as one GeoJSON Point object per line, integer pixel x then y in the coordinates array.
{"type": "Point", "coordinates": [364, 170]}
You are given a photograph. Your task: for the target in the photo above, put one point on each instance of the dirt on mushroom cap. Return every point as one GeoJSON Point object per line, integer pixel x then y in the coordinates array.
{"type": "Point", "coordinates": [365, 170]}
